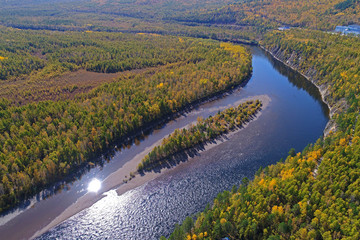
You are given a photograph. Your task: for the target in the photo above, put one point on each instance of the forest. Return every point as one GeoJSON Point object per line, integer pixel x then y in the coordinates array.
{"type": "Point", "coordinates": [49, 129]}
{"type": "Point", "coordinates": [224, 20]}
{"type": "Point", "coordinates": [314, 194]}
{"type": "Point", "coordinates": [204, 130]}
{"type": "Point", "coordinates": [158, 9]}
{"type": "Point", "coordinates": [49, 54]}
{"type": "Point", "coordinates": [322, 14]}
{"type": "Point", "coordinates": [41, 142]}
{"type": "Point", "coordinates": [40, 60]}
{"type": "Point", "coordinates": [268, 14]}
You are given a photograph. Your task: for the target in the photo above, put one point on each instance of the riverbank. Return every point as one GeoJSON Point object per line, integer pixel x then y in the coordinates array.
{"type": "Point", "coordinates": [115, 180]}
{"type": "Point", "coordinates": [277, 54]}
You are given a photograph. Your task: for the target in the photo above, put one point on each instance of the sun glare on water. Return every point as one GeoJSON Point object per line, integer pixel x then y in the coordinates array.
{"type": "Point", "coordinates": [94, 185]}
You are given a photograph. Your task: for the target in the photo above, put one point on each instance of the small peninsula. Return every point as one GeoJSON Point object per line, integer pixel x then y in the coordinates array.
{"type": "Point", "coordinates": [204, 130]}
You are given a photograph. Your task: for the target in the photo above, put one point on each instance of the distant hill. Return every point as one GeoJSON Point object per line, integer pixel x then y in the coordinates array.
{"type": "Point", "coordinates": [322, 14]}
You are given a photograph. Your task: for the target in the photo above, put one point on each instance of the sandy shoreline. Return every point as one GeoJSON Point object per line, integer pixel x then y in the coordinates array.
{"type": "Point", "coordinates": [115, 180]}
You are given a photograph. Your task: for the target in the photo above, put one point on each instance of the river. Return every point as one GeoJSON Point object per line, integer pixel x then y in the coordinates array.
{"type": "Point", "coordinates": [295, 117]}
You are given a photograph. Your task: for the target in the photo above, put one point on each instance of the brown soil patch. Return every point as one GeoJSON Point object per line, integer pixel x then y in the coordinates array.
{"type": "Point", "coordinates": [66, 86]}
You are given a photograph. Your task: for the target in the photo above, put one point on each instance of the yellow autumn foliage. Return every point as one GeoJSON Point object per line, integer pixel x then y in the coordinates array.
{"type": "Point", "coordinates": [277, 209]}
{"type": "Point", "coordinates": [342, 142]}
{"type": "Point", "coordinates": [314, 154]}
{"type": "Point", "coordinates": [343, 75]}
{"type": "Point", "coordinates": [272, 184]}
{"type": "Point", "coordinates": [262, 182]}
{"type": "Point", "coordinates": [235, 49]}
{"type": "Point", "coordinates": [203, 81]}
{"type": "Point", "coordinates": [285, 174]}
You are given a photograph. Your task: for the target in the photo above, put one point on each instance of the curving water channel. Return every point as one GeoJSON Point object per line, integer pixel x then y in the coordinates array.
{"type": "Point", "coordinates": [295, 117]}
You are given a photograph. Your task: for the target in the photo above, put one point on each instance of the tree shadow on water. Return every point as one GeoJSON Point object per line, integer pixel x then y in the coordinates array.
{"type": "Point", "coordinates": [182, 156]}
